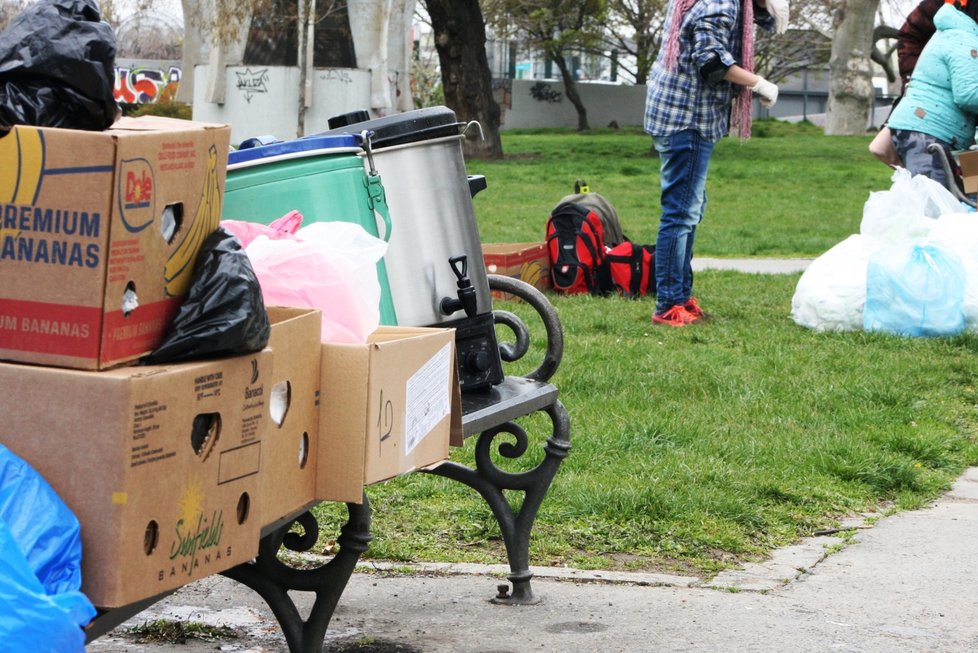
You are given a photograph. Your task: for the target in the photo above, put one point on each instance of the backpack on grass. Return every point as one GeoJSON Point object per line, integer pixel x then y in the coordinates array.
{"type": "Point", "coordinates": [602, 207]}
{"type": "Point", "coordinates": [576, 249]}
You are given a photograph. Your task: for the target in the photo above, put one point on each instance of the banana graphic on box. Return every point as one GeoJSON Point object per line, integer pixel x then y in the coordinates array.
{"type": "Point", "coordinates": [179, 268]}
{"type": "Point", "coordinates": [22, 149]}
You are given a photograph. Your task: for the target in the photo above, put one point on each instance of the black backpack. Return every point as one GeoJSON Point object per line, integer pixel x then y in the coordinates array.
{"type": "Point", "coordinates": [600, 205]}
{"type": "Point", "coordinates": [576, 249]}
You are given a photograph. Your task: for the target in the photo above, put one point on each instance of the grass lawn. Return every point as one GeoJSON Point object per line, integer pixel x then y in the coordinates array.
{"type": "Point", "coordinates": [697, 448]}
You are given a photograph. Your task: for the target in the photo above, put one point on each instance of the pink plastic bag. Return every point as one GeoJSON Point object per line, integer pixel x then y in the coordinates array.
{"type": "Point", "coordinates": [331, 266]}
{"type": "Point", "coordinates": [246, 232]}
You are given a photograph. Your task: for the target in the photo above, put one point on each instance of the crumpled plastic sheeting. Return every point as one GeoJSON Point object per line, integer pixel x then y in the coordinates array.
{"type": "Point", "coordinates": [223, 313]}
{"type": "Point", "coordinates": [914, 290]}
{"type": "Point", "coordinates": [331, 266]}
{"type": "Point", "coordinates": [831, 293]}
{"type": "Point", "coordinates": [41, 606]}
{"type": "Point", "coordinates": [57, 67]}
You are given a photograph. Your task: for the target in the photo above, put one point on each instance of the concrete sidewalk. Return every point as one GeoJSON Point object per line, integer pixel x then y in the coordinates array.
{"type": "Point", "coordinates": [906, 583]}
{"type": "Point", "coordinates": [752, 265]}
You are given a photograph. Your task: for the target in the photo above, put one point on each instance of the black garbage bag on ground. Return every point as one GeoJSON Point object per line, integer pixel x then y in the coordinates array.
{"type": "Point", "coordinates": [57, 67]}
{"type": "Point", "coordinates": [224, 313]}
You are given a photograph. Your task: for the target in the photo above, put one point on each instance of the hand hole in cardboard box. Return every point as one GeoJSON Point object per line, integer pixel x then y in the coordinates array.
{"type": "Point", "coordinates": [171, 221]}
{"type": "Point", "coordinates": [151, 538]}
{"type": "Point", "coordinates": [130, 301]}
{"type": "Point", "coordinates": [278, 404]}
{"type": "Point", "coordinates": [303, 450]}
{"type": "Point", "coordinates": [204, 433]}
{"type": "Point", "coordinates": [244, 507]}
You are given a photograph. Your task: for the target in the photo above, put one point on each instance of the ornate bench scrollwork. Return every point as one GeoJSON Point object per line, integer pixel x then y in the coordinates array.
{"type": "Point", "coordinates": [491, 414]}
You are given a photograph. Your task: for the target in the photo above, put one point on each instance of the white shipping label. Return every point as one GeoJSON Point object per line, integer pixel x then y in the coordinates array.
{"type": "Point", "coordinates": [428, 397]}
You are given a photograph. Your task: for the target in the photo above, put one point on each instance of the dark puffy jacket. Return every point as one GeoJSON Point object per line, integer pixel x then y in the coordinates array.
{"type": "Point", "coordinates": [913, 36]}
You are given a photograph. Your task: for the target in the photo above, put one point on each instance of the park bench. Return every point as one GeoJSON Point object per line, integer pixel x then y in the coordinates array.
{"type": "Point", "coordinates": [486, 416]}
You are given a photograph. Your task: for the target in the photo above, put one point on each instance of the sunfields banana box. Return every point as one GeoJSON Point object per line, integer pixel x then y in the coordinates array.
{"type": "Point", "coordinates": [99, 233]}
{"type": "Point", "coordinates": [160, 463]}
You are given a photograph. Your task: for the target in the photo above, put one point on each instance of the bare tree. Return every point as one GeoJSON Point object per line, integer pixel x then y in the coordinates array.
{"type": "Point", "coordinates": [460, 38]}
{"type": "Point", "coordinates": [636, 28]}
{"type": "Point", "coordinates": [556, 27]}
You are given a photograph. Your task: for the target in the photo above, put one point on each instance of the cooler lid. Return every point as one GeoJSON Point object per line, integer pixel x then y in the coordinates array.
{"type": "Point", "coordinates": [407, 127]}
{"type": "Point", "coordinates": [317, 145]}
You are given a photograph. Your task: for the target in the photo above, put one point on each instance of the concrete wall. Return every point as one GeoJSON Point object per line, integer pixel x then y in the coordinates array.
{"type": "Point", "coordinates": [263, 100]}
{"type": "Point", "coordinates": [530, 104]}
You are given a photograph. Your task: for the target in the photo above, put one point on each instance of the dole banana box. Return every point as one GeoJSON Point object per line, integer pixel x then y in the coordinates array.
{"type": "Point", "coordinates": [160, 463]}
{"type": "Point", "coordinates": [99, 232]}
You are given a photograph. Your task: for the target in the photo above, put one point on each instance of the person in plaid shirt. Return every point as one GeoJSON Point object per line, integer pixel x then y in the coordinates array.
{"type": "Point", "coordinates": [704, 65]}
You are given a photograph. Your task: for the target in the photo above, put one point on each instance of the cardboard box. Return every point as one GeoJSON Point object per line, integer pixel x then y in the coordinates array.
{"type": "Point", "coordinates": [968, 161]}
{"type": "Point", "coordinates": [290, 448]}
{"type": "Point", "coordinates": [389, 406]}
{"type": "Point", "coordinates": [99, 232]}
{"type": "Point", "coordinates": [159, 463]}
{"type": "Point", "coordinates": [525, 261]}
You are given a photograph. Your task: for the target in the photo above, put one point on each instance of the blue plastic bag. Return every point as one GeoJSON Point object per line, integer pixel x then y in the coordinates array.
{"type": "Point", "coordinates": [42, 609]}
{"type": "Point", "coordinates": [915, 290]}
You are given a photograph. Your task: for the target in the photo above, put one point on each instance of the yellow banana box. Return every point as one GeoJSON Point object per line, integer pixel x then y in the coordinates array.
{"type": "Point", "coordinates": [525, 261]}
{"type": "Point", "coordinates": [99, 233]}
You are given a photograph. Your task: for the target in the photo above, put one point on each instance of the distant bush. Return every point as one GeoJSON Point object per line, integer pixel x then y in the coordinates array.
{"type": "Point", "coordinates": [168, 108]}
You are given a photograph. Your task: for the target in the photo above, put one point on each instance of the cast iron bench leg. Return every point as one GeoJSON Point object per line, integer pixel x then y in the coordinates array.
{"type": "Point", "coordinates": [490, 481]}
{"type": "Point", "coordinates": [272, 579]}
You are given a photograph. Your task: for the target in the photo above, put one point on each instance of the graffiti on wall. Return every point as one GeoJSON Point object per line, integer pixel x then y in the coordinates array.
{"type": "Point", "coordinates": [542, 92]}
{"type": "Point", "coordinates": [145, 84]}
{"type": "Point", "coordinates": [251, 82]}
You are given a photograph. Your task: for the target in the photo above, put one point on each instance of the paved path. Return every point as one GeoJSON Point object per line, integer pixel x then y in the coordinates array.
{"type": "Point", "coordinates": [756, 265]}
{"type": "Point", "coordinates": [906, 583]}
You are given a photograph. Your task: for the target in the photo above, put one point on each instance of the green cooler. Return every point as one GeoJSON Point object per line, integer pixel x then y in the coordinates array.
{"type": "Point", "coordinates": [321, 177]}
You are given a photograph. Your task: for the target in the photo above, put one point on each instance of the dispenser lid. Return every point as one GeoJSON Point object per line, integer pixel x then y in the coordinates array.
{"type": "Point", "coordinates": [407, 127]}
{"type": "Point", "coordinates": [317, 145]}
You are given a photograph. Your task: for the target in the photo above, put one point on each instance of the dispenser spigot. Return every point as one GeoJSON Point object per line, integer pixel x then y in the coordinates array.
{"type": "Point", "coordinates": [466, 293]}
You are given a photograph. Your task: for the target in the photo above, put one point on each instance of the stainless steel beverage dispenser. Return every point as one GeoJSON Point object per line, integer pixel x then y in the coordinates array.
{"type": "Point", "coordinates": [434, 259]}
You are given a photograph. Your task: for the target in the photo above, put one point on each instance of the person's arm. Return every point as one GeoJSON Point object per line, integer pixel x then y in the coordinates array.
{"type": "Point", "coordinates": [742, 77]}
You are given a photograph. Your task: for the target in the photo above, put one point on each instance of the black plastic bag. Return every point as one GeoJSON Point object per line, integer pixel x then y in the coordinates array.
{"type": "Point", "coordinates": [57, 67]}
{"type": "Point", "coordinates": [224, 313]}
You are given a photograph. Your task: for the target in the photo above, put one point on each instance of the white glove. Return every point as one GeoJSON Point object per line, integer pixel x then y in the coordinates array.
{"type": "Point", "coordinates": [767, 91]}
{"type": "Point", "coordinates": [779, 11]}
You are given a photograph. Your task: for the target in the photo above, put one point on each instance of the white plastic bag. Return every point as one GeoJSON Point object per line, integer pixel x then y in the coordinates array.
{"type": "Point", "coordinates": [331, 266]}
{"type": "Point", "coordinates": [908, 209]}
{"type": "Point", "coordinates": [832, 291]}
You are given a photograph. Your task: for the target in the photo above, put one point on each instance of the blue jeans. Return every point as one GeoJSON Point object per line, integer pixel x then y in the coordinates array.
{"type": "Point", "coordinates": [685, 157]}
{"type": "Point", "coordinates": [911, 147]}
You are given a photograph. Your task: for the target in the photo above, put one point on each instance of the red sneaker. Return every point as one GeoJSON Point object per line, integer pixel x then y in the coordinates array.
{"type": "Point", "coordinates": [693, 307]}
{"type": "Point", "coordinates": [676, 316]}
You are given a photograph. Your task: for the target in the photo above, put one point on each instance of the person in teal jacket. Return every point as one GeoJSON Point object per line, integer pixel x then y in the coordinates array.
{"type": "Point", "coordinates": [941, 101]}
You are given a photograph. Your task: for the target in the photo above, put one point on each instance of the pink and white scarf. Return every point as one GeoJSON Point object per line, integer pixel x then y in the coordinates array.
{"type": "Point", "coordinates": [741, 114]}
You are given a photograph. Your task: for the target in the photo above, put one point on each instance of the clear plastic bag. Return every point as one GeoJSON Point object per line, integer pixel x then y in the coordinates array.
{"type": "Point", "coordinates": [915, 290]}
{"type": "Point", "coordinates": [42, 609]}
{"type": "Point", "coordinates": [907, 210]}
{"type": "Point", "coordinates": [331, 266]}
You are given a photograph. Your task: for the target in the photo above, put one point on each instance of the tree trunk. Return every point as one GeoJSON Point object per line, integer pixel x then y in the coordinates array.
{"type": "Point", "coordinates": [570, 88]}
{"type": "Point", "coordinates": [850, 71]}
{"type": "Point", "coordinates": [460, 38]}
